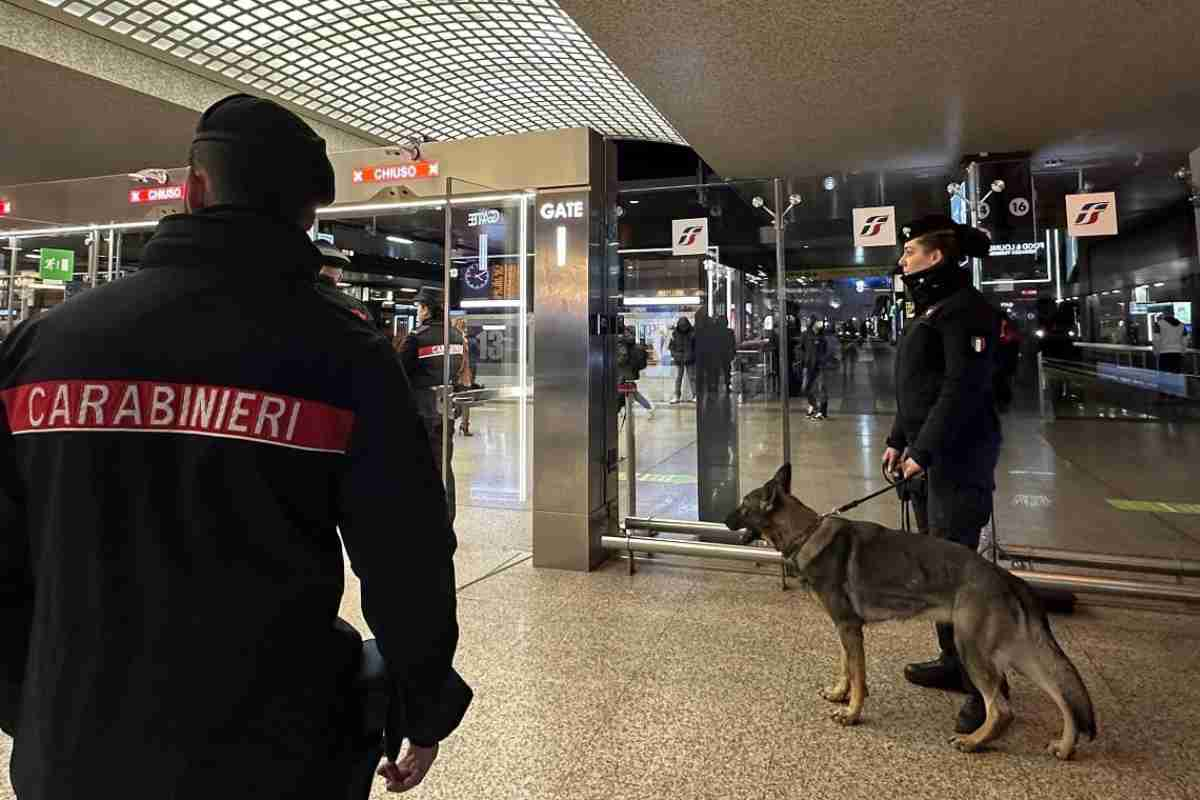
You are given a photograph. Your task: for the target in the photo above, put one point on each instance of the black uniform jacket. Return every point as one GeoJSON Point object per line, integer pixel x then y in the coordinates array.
{"type": "Point", "coordinates": [423, 355]}
{"type": "Point", "coordinates": [178, 450]}
{"type": "Point", "coordinates": [946, 412]}
{"type": "Point", "coordinates": [329, 288]}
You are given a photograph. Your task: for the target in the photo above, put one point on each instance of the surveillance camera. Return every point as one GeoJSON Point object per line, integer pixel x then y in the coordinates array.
{"type": "Point", "coordinates": [998, 185]}
{"type": "Point", "coordinates": [757, 202]}
{"type": "Point", "coordinates": [951, 188]}
{"type": "Point", "coordinates": [795, 199]}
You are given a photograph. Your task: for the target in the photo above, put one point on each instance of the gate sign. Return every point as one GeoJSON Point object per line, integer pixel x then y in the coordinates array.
{"type": "Point", "coordinates": [1092, 214]}
{"type": "Point", "coordinates": [689, 237]}
{"type": "Point", "coordinates": [385, 173]}
{"type": "Point", "coordinates": [56, 265]}
{"type": "Point", "coordinates": [875, 227]}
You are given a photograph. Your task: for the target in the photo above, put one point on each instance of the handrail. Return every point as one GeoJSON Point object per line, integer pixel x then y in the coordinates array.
{"type": "Point", "coordinates": [1122, 348]}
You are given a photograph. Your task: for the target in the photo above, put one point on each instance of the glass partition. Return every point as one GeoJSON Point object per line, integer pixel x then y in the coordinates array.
{"type": "Point", "coordinates": [490, 268]}
{"type": "Point", "coordinates": [699, 312]}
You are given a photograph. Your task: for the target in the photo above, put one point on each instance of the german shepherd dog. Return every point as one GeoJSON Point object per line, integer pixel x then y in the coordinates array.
{"type": "Point", "coordinates": [863, 573]}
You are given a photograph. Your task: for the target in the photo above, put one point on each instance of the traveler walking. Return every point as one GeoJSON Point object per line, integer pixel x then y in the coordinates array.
{"type": "Point", "coordinates": [683, 353]}
{"type": "Point", "coordinates": [1170, 343]}
{"type": "Point", "coordinates": [171, 629]}
{"type": "Point", "coordinates": [631, 360]}
{"type": "Point", "coordinates": [946, 424]}
{"type": "Point", "coordinates": [465, 378]}
{"type": "Point", "coordinates": [811, 354]}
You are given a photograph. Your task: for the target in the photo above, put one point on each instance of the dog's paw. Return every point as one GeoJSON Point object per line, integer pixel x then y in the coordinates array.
{"type": "Point", "coordinates": [836, 695]}
{"type": "Point", "coordinates": [964, 744]}
{"type": "Point", "coordinates": [845, 717]}
{"type": "Point", "coordinates": [1059, 751]}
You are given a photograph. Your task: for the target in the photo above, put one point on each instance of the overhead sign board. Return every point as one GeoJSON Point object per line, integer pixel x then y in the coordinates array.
{"type": "Point", "coordinates": [387, 173]}
{"type": "Point", "coordinates": [689, 237]}
{"type": "Point", "coordinates": [485, 216]}
{"type": "Point", "coordinates": [56, 265]}
{"type": "Point", "coordinates": [155, 194]}
{"type": "Point", "coordinates": [1092, 214]}
{"type": "Point", "coordinates": [875, 227]}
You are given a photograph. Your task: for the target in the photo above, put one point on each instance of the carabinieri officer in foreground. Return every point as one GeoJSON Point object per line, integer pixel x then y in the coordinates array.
{"type": "Point", "coordinates": [177, 457]}
{"type": "Point", "coordinates": [946, 424]}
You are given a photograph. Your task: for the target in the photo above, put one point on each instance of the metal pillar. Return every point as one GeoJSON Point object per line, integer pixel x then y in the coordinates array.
{"type": "Point", "coordinates": [93, 256]}
{"type": "Point", "coordinates": [630, 455]}
{"type": "Point", "coordinates": [446, 387]}
{"type": "Point", "coordinates": [781, 325]}
{"type": "Point", "coordinates": [14, 252]}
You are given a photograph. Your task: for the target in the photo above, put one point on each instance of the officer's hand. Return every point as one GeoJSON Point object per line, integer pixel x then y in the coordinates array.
{"type": "Point", "coordinates": [911, 468]}
{"type": "Point", "coordinates": [891, 460]}
{"type": "Point", "coordinates": [410, 770]}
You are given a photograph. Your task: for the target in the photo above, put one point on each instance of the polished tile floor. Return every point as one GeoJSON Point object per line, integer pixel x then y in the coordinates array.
{"type": "Point", "coordinates": [695, 680]}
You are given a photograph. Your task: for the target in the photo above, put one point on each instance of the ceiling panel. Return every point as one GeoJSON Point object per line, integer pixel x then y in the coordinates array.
{"type": "Point", "coordinates": [787, 88]}
{"type": "Point", "coordinates": [396, 69]}
{"type": "Point", "coordinates": [59, 123]}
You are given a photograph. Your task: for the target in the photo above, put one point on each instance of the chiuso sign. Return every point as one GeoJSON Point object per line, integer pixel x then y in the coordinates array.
{"type": "Point", "coordinates": [155, 194]}
{"type": "Point", "coordinates": [386, 173]}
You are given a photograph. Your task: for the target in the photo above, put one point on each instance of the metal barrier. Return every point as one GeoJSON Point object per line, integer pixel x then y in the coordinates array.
{"type": "Point", "coordinates": [1174, 567]}
{"type": "Point", "coordinates": [1127, 354]}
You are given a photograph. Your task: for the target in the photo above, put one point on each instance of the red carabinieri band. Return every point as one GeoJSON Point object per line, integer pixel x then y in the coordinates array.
{"type": "Point", "coordinates": [155, 407]}
{"type": "Point", "coordinates": [435, 350]}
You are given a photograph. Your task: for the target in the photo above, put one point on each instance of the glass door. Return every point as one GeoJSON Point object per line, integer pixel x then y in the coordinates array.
{"type": "Point", "coordinates": [488, 265]}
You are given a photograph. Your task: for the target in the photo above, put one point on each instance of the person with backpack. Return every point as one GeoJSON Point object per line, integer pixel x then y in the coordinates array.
{"type": "Point", "coordinates": [811, 353]}
{"type": "Point", "coordinates": [631, 360]}
{"type": "Point", "coordinates": [683, 353]}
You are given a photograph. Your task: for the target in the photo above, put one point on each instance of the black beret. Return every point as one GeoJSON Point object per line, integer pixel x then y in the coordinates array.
{"type": "Point", "coordinates": [972, 241]}
{"type": "Point", "coordinates": [287, 148]}
{"type": "Point", "coordinates": [928, 224]}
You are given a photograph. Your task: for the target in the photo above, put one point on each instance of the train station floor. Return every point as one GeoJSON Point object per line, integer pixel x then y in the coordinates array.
{"type": "Point", "coordinates": [694, 679]}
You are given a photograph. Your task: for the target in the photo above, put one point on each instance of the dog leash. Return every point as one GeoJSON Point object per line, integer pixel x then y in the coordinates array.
{"type": "Point", "coordinates": [856, 503]}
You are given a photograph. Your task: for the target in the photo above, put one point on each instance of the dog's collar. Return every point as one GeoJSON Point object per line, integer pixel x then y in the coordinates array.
{"type": "Point", "coordinates": [805, 535]}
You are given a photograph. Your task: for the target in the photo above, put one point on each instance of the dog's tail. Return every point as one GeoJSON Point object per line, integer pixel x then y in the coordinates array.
{"type": "Point", "coordinates": [1048, 666]}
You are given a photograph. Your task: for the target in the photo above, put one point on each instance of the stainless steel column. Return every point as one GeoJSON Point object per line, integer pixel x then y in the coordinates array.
{"type": "Point", "coordinates": [447, 252]}
{"type": "Point", "coordinates": [630, 456]}
{"type": "Point", "coordinates": [574, 412]}
{"type": "Point", "coordinates": [93, 257]}
{"type": "Point", "coordinates": [14, 253]}
{"type": "Point", "coordinates": [781, 325]}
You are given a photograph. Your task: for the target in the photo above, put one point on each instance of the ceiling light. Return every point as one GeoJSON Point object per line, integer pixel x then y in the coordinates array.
{"type": "Point", "coordinates": [1159, 285]}
{"type": "Point", "coordinates": [399, 240]}
{"type": "Point", "coordinates": [634, 202]}
{"type": "Point", "coordinates": [830, 183]}
{"type": "Point", "coordinates": [490, 303]}
{"type": "Point", "coordinates": [408, 291]}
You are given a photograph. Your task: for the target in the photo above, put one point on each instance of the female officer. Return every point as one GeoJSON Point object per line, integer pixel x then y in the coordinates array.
{"type": "Point", "coordinates": [946, 424]}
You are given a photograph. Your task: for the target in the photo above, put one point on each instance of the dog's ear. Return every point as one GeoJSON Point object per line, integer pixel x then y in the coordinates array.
{"type": "Point", "coordinates": [783, 478]}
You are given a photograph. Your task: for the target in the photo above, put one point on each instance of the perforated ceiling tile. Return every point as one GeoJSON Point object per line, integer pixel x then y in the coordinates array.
{"type": "Point", "coordinates": [399, 68]}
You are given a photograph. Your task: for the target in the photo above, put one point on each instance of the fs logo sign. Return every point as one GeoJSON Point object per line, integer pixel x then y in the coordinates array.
{"type": "Point", "coordinates": [689, 237]}
{"type": "Point", "coordinates": [1092, 214]}
{"type": "Point", "coordinates": [875, 227]}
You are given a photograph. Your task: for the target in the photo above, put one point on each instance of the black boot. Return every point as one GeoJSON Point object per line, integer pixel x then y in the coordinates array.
{"type": "Point", "coordinates": [974, 711]}
{"type": "Point", "coordinates": [943, 672]}
{"type": "Point", "coordinates": [971, 715]}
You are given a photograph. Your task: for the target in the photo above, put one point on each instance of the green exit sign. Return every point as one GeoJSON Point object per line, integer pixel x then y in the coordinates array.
{"type": "Point", "coordinates": [56, 265]}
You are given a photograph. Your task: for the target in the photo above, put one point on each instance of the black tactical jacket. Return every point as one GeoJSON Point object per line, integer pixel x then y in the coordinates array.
{"type": "Point", "coordinates": [329, 288]}
{"type": "Point", "coordinates": [945, 409]}
{"type": "Point", "coordinates": [423, 356]}
{"type": "Point", "coordinates": [178, 452]}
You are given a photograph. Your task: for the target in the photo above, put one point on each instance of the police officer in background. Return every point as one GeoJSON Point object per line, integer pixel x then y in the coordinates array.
{"type": "Point", "coordinates": [424, 358]}
{"type": "Point", "coordinates": [170, 564]}
{"type": "Point", "coordinates": [946, 428]}
{"type": "Point", "coordinates": [333, 263]}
